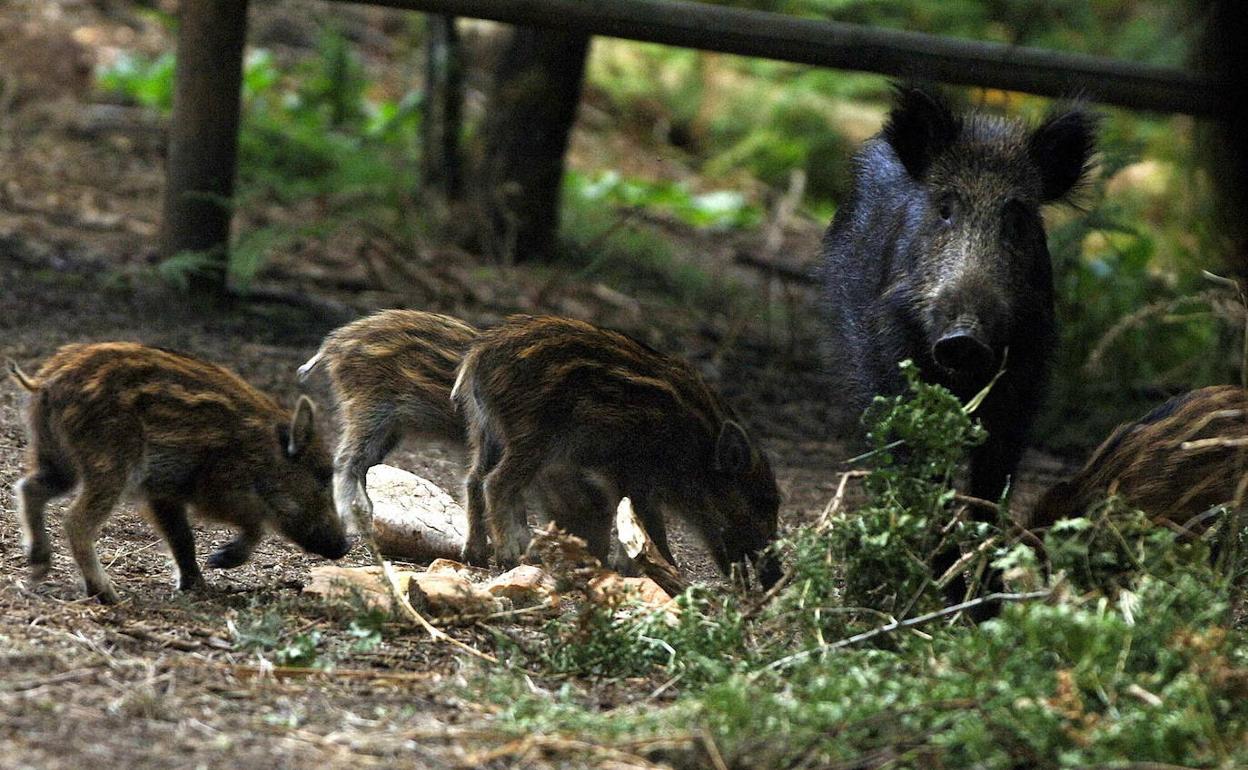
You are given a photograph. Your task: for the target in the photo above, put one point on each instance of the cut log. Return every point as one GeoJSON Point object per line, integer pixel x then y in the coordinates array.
{"type": "Point", "coordinates": [414, 519]}
{"type": "Point", "coordinates": [644, 553]}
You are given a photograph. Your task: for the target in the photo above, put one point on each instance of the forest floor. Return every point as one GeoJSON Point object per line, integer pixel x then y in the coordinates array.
{"type": "Point", "coordinates": [168, 680]}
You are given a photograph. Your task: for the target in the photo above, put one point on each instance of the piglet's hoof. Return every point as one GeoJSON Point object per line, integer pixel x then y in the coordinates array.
{"type": "Point", "coordinates": [103, 594]}
{"type": "Point", "coordinates": [192, 583]}
{"type": "Point", "coordinates": [228, 556]}
{"type": "Point", "coordinates": [39, 570]}
{"type": "Point", "coordinates": [477, 557]}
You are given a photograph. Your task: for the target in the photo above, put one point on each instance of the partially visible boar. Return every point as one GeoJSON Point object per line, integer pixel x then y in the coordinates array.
{"type": "Point", "coordinates": [940, 256]}
{"type": "Point", "coordinates": [1185, 457]}
{"type": "Point", "coordinates": [119, 419]}
{"type": "Point", "coordinates": [542, 394]}
{"type": "Point", "coordinates": [391, 375]}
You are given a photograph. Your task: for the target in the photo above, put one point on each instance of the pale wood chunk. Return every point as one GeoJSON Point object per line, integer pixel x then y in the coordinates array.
{"type": "Point", "coordinates": [644, 553]}
{"type": "Point", "coordinates": [611, 590]}
{"type": "Point", "coordinates": [452, 567]}
{"type": "Point", "coordinates": [444, 594]}
{"type": "Point", "coordinates": [524, 585]}
{"type": "Point", "coordinates": [345, 583]}
{"type": "Point", "coordinates": [413, 518]}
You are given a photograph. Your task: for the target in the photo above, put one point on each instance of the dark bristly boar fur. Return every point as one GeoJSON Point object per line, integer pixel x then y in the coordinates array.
{"type": "Point", "coordinates": [119, 419]}
{"type": "Point", "coordinates": [940, 256]}
{"type": "Point", "coordinates": [391, 375]}
{"type": "Point", "coordinates": [1148, 464]}
{"type": "Point", "coordinates": [541, 393]}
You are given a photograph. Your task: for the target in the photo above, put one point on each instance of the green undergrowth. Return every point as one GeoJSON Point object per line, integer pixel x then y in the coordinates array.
{"type": "Point", "coordinates": [1118, 642]}
{"type": "Point", "coordinates": [311, 136]}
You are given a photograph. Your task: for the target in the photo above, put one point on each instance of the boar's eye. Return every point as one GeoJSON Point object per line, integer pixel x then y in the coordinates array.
{"type": "Point", "coordinates": [947, 209]}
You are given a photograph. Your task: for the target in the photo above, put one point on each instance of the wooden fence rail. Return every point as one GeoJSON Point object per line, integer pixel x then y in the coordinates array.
{"type": "Point", "coordinates": [852, 46]}
{"type": "Point", "coordinates": [208, 76]}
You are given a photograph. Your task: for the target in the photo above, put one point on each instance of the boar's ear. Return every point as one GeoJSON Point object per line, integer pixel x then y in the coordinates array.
{"type": "Point", "coordinates": [1062, 148]}
{"type": "Point", "coordinates": [920, 127]}
{"type": "Point", "coordinates": [732, 450]}
{"type": "Point", "coordinates": [302, 427]}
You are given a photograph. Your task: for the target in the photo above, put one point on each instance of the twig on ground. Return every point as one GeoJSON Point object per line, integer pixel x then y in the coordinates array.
{"type": "Point", "coordinates": [250, 671]}
{"type": "Point", "coordinates": [966, 559]}
{"type": "Point", "coordinates": [147, 635]}
{"type": "Point", "coordinates": [405, 607]}
{"type": "Point", "coordinates": [43, 681]}
{"type": "Point", "coordinates": [834, 505]}
{"type": "Point", "coordinates": [523, 747]}
{"type": "Point", "coordinates": [898, 624]}
{"type": "Point", "coordinates": [712, 751]}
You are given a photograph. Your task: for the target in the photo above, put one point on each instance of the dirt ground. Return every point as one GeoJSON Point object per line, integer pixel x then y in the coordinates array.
{"type": "Point", "coordinates": [168, 680]}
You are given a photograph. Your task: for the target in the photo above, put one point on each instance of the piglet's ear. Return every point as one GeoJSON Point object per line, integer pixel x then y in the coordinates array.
{"type": "Point", "coordinates": [302, 427]}
{"type": "Point", "coordinates": [1062, 149]}
{"type": "Point", "coordinates": [732, 450]}
{"type": "Point", "coordinates": [920, 127]}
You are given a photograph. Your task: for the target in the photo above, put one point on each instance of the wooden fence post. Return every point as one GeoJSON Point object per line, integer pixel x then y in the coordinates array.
{"type": "Point", "coordinates": [537, 87]}
{"type": "Point", "coordinates": [203, 137]}
{"type": "Point", "coordinates": [441, 167]}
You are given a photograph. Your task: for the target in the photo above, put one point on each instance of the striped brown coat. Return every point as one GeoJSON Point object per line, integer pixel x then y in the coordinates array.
{"type": "Point", "coordinates": [391, 375]}
{"type": "Point", "coordinates": [543, 393]}
{"type": "Point", "coordinates": [120, 419]}
{"type": "Point", "coordinates": [1182, 459]}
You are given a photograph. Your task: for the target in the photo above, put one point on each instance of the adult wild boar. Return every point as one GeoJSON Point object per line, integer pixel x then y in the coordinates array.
{"type": "Point", "coordinates": [939, 255]}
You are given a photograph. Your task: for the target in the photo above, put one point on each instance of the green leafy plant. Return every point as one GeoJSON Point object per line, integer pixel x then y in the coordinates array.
{"type": "Point", "coordinates": [1124, 645]}
{"type": "Point", "coordinates": [920, 440]}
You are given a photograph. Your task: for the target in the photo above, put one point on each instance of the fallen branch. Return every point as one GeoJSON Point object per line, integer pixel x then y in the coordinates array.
{"type": "Point", "coordinates": [43, 681]}
{"type": "Point", "coordinates": [523, 747]}
{"type": "Point", "coordinates": [778, 269]}
{"type": "Point", "coordinates": [966, 559]}
{"type": "Point", "coordinates": [309, 303]}
{"type": "Point", "coordinates": [145, 635]}
{"type": "Point", "coordinates": [299, 672]}
{"type": "Point", "coordinates": [899, 624]}
{"type": "Point", "coordinates": [834, 505]}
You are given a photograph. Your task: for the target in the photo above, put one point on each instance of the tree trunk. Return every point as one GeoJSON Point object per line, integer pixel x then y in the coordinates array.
{"type": "Point", "coordinates": [441, 165]}
{"type": "Point", "coordinates": [203, 137]}
{"type": "Point", "coordinates": [1225, 153]}
{"type": "Point", "coordinates": [537, 88]}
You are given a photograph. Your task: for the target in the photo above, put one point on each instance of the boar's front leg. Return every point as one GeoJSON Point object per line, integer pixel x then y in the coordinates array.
{"type": "Point", "coordinates": [236, 552]}
{"type": "Point", "coordinates": [650, 514]}
{"type": "Point", "coordinates": [993, 463]}
{"type": "Point", "coordinates": [169, 517]}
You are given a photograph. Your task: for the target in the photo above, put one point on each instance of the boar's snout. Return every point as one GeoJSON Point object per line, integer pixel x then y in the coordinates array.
{"type": "Point", "coordinates": [331, 547]}
{"type": "Point", "coordinates": [326, 537]}
{"type": "Point", "coordinates": [338, 550]}
{"type": "Point", "coordinates": [767, 569]}
{"type": "Point", "coordinates": [962, 350]}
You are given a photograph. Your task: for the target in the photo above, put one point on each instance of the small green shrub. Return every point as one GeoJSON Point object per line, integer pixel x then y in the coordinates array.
{"type": "Point", "coordinates": [1132, 652]}
{"type": "Point", "coordinates": [919, 441]}
{"type": "Point", "coordinates": [702, 642]}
